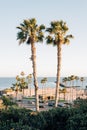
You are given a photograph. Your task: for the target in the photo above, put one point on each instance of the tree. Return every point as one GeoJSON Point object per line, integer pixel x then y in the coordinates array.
{"type": "Point", "coordinates": [43, 81]}
{"type": "Point", "coordinates": [7, 102]}
{"type": "Point", "coordinates": [31, 33]}
{"type": "Point", "coordinates": [72, 78]}
{"type": "Point", "coordinates": [16, 86]}
{"type": "Point", "coordinates": [82, 80]}
{"type": "Point", "coordinates": [57, 36]}
{"type": "Point", "coordinates": [29, 78]}
{"type": "Point", "coordinates": [23, 84]}
{"type": "Point", "coordinates": [64, 91]}
{"type": "Point", "coordinates": [76, 78]}
{"type": "Point", "coordinates": [64, 80]}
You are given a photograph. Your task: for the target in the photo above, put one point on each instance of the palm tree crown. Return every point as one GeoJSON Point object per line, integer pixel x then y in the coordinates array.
{"type": "Point", "coordinates": [30, 32]}
{"type": "Point", "coordinates": [57, 33]}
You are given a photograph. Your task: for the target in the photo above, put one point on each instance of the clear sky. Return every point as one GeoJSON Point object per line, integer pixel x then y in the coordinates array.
{"type": "Point", "coordinates": [15, 58]}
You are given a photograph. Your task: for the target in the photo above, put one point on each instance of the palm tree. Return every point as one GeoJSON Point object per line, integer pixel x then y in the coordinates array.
{"type": "Point", "coordinates": [82, 80]}
{"type": "Point", "coordinates": [72, 78]}
{"type": "Point", "coordinates": [70, 84]}
{"type": "Point", "coordinates": [29, 78]}
{"type": "Point", "coordinates": [76, 78]}
{"type": "Point", "coordinates": [64, 91]}
{"type": "Point", "coordinates": [31, 33]}
{"type": "Point", "coordinates": [23, 83]}
{"type": "Point", "coordinates": [64, 80]}
{"type": "Point", "coordinates": [57, 36]}
{"type": "Point", "coordinates": [20, 84]}
{"type": "Point", "coordinates": [16, 88]}
{"type": "Point", "coordinates": [43, 81]}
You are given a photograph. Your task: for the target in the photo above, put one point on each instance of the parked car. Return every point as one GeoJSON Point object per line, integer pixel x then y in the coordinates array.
{"type": "Point", "coordinates": [41, 106]}
{"type": "Point", "coordinates": [51, 103]}
{"type": "Point", "coordinates": [60, 104]}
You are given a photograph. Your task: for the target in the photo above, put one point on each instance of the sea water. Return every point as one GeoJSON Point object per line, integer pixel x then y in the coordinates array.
{"type": "Point", "coordinates": [7, 82]}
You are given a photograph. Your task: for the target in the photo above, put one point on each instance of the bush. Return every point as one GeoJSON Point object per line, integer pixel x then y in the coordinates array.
{"type": "Point", "coordinates": [55, 119]}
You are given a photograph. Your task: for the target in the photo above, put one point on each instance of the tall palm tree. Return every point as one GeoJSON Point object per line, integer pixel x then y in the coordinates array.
{"type": "Point", "coordinates": [72, 77]}
{"type": "Point", "coordinates": [29, 78]}
{"type": "Point", "coordinates": [64, 91]}
{"type": "Point", "coordinates": [31, 33]}
{"type": "Point", "coordinates": [57, 36]}
{"type": "Point", "coordinates": [23, 83]}
{"type": "Point", "coordinates": [70, 86]}
{"type": "Point", "coordinates": [76, 78]}
{"type": "Point", "coordinates": [43, 81]}
{"type": "Point", "coordinates": [16, 86]}
{"type": "Point", "coordinates": [82, 80]}
{"type": "Point", "coordinates": [64, 80]}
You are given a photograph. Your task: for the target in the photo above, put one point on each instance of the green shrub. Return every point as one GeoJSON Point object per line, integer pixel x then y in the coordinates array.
{"type": "Point", "coordinates": [74, 118]}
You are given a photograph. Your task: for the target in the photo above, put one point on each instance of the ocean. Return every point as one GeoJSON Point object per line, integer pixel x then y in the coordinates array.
{"type": "Point", "coordinates": [6, 82]}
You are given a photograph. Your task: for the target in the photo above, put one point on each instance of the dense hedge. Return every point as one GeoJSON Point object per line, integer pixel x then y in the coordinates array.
{"type": "Point", "coordinates": [74, 118]}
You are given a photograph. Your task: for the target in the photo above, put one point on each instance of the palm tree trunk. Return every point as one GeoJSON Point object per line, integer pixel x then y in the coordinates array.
{"type": "Point", "coordinates": [16, 95]}
{"type": "Point", "coordinates": [58, 73]}
{"type": "Point", "coordinates": [33, 49]}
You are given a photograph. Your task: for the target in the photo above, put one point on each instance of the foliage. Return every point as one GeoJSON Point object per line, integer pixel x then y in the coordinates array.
{"type": "Point", "coordinates": [7, 102]}
{"type": "Point", "coordinates": [55, 119]}
{"type": "Point", "coordinates": [77, 121]}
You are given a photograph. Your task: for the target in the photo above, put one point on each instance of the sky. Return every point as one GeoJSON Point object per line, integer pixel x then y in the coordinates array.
{"type": "Point", "coordinates": [15, 58]}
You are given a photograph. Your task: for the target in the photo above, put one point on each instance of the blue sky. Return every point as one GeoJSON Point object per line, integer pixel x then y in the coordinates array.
{"type": "Point", "coordinates": [15, 58]}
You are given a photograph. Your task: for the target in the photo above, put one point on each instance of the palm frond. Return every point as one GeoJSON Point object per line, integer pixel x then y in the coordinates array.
{"type": "Point", "coordinates": [70, 36]}
{"type": "Point", "coordinates": [22, 28]}
{"type": "Point", "coordinates": [40, 39]}
{"type": "Point", "coordinates": [49, 39]}
{"type": "Point", "coordinates": [18, 27]}
{"type": "Point", "coordinates": [65, 28]}
{"type": "Point", "coordinates": [21, 24]}
{"type": "Point", "coordinates": [26, 22]}
{"type": "Point", "coordinates": [20, 35]}
{"type": "Point", "coordinates": [66, 41]}
{"type": "Point", "coordinates": [28, 41]}
{"type": "Point", "coordinates": [33, 21]}
{"type": "Point", "coordinates": [49, 30]}
{"type": "Point", "coordinates": [22, 41]}
{"type": "Point", "coordinates": [42, 27]}
{"type": "Point", "coordinates": [52, 24]}
{"type": "Point", "coordinates": [54, 43]}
